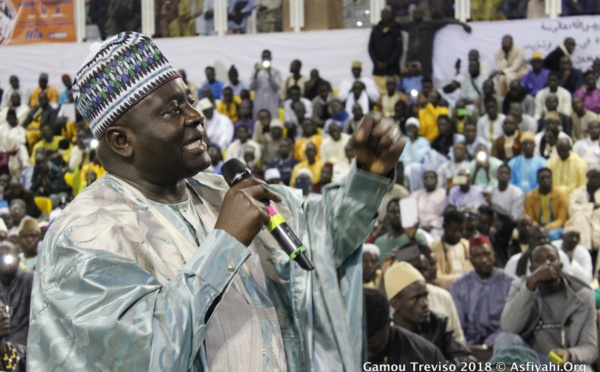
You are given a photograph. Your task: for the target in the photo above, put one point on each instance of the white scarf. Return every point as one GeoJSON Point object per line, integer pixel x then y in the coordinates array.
{"type": "Point", "coordinates": [566, 52]}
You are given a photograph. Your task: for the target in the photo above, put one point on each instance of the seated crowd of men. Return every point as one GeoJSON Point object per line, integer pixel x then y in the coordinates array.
{"type": "Point", "coordinates": [504, 167]}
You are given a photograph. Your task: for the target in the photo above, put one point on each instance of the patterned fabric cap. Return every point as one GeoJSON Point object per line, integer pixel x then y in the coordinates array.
{"type": "Point", "coordinates": [116, 75]}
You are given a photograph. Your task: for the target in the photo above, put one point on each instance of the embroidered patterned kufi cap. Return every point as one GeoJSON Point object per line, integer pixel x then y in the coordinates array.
{"type": "Point", "coordinates": [116, 75]}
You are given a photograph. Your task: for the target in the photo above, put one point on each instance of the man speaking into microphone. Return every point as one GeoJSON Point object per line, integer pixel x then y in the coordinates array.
{"type": "Point", "coordinates": [160, 267]}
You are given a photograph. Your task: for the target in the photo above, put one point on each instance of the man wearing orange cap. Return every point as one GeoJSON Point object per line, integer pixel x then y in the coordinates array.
{"type": "Point", "coordinates": [537, 78]}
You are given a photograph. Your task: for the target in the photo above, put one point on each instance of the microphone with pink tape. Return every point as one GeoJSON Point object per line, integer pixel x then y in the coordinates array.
{"type": "Point", "coordinates": [234, 171]}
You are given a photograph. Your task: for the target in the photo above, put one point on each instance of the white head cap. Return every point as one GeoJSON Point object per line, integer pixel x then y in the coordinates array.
{"type": "Point", "coordinates": [205, 104]}
{"type": "Point", "coordinates": [371, 248]}
{"type": "Point", "coordinates": [272, 173]}
{"type": "Point", "coordinates": [413, 121]}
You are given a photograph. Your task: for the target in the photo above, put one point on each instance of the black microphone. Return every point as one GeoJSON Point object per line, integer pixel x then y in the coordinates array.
{"type": "Point", "coordinates": [234, 172]}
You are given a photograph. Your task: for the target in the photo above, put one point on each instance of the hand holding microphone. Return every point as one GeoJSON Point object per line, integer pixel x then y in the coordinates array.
{"type": "Point", "coordinates": [257, 198]}
{"type": "Point", "coordinates": [242, 213]}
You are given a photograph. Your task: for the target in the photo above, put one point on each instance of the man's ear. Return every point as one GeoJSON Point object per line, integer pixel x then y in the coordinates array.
{"type": "Point", "coordinates": [119, 140]}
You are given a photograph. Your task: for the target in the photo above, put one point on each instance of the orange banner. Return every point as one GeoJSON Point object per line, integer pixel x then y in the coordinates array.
{"type": "Point", "coordinates": [36, 21]}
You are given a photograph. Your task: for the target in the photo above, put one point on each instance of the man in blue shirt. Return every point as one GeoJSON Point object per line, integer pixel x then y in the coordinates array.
{"type": "Point", "coordinates": [525, 166]}
{"type": "Point", "coordinates": [66, 95]}
{"type": "Point", "coordinates": [537, 78]}
{"type": "Point", "coordinates": [216, 87]}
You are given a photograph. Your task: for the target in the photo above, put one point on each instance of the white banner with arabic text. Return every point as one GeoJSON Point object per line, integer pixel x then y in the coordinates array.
{"type": "Point", "coordinates": [542, 35]}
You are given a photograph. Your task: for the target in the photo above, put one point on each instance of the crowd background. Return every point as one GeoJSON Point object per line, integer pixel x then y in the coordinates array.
{"type": "Point", "coordinates": [177, 18]}
{"type": "Point", "coordinates": [499, 160]}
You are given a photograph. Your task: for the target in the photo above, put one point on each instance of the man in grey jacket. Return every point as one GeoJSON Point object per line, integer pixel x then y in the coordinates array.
{"type": "Point", "coordinates": [550, 311]}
